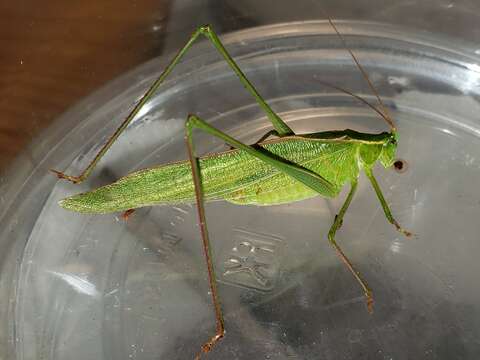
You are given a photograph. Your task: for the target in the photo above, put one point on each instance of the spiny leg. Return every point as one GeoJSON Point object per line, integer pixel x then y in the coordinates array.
{"type": "Point", "coordinates": [314, 181]}
{"type": "Point", "coordinates": [386, 209]}
{"type": "Point", "coordinates": [144, 99]}
{"type": "Point", "coordinates": [331, 237]}
{"type": "Point", "coordinates": [280, 126]}
{"type": "Point", "coordinates": [220, 326]}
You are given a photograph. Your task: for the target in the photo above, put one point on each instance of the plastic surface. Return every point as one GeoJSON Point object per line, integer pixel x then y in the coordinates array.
{"type": "Point", "coordinates": [95, 287]}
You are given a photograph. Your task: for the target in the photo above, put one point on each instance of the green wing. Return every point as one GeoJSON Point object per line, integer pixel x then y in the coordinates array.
{"type": "Point", "coordinates": [233, 175]}
{"type": "Point", "coordinates": [334, 161]}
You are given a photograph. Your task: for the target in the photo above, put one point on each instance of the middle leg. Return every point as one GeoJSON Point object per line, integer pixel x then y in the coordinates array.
{"type": "Point", "coordinates": [331, 237]}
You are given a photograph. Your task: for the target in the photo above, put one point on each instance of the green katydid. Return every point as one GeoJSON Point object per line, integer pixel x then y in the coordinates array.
{"type": "Point", "coordinates": [288, 168]}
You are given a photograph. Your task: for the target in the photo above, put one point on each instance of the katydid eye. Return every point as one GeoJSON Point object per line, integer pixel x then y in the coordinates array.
{"type": "Point", "coordinates": [400, 165]}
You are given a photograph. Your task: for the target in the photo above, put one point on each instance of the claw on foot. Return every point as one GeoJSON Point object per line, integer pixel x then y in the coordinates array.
{"type": "Point", "coordinates": [369, 304]}
{"type": "Point", "coordinates": [406, 233]}
{"type": "Point", "coordinates": [403, 231]}
{"type": "Point", "coordinates": [209, 345]}
{"type": "Point", "coordinates": [61, 175]}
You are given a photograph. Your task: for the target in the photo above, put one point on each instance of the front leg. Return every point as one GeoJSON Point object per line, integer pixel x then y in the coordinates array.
{"type": "Point", "coordinates": [386, 209]}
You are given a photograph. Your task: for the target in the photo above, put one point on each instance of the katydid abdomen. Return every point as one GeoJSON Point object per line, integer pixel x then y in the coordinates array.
{"type": "Point", "coordinates": [233, 175]}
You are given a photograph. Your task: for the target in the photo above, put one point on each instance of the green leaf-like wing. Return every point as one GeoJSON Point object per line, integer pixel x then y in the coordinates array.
{"type": "Point", "coordinates": [233, 175]}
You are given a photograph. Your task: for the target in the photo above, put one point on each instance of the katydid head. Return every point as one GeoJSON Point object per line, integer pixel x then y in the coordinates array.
{"type": "Point", "coordinates": [389, 149]}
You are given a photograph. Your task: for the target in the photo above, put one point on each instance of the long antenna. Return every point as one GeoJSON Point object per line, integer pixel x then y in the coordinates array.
{"type": "Point", "coordinates": [385, 115]}
{"type": "Point", "coordinates": [356, 97]}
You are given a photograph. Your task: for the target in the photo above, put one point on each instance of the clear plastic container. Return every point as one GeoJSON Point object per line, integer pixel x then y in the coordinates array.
{"type": "Point", "coordinates": [97, 287]}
